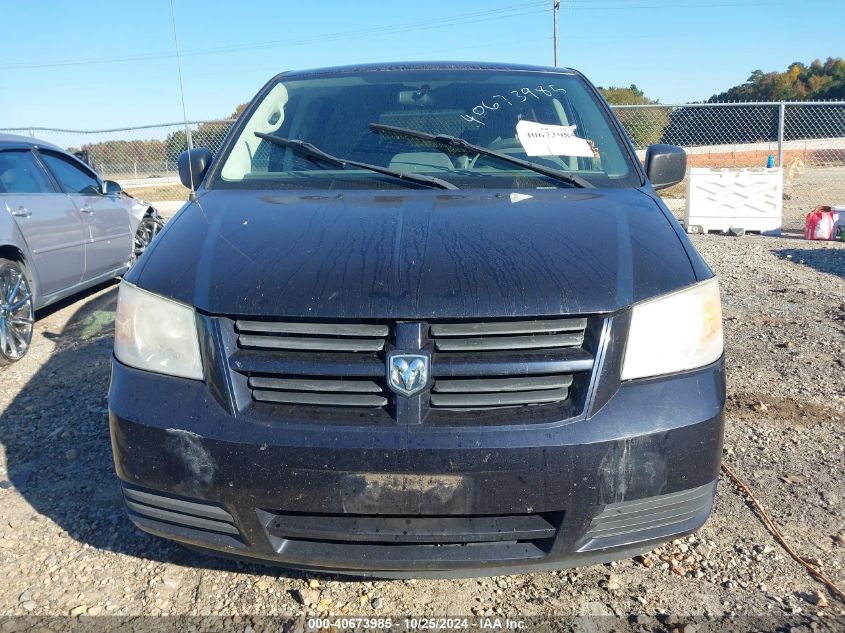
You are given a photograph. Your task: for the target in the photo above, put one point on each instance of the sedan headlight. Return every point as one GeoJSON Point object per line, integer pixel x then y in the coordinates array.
{"type": "Point", "coordinates": [675, 332]}
{"type": "Point", "coordinates": [156, 334]}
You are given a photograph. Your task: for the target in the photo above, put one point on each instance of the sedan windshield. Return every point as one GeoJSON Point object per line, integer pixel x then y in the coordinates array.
{"type": "Point", "coordinates": [551, 124]}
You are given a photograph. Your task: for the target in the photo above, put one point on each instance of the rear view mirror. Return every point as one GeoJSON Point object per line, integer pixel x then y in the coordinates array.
{"type": "Point", "coordinates": [111, 187]}
{"type": "Point", "coordinates": [665, 165]}
{"type": "Point", "coordinates": [193, 163]}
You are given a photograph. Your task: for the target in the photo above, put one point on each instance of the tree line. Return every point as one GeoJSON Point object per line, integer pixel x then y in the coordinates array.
{"type": "Point", "coordinates": [154, 154]}
{"type": "Point", "coordinates": [717, 125]}
{"type": "Point", "coordinates": [820, 80]}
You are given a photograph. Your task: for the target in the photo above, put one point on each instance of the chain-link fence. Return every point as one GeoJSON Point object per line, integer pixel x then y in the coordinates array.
{"type": "Point", "coordinates": [806, 138]}
{"type": "Point", "coordinates": [142, 159]}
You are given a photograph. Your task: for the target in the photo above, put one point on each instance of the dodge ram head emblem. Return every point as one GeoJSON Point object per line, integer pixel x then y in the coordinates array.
{"type": "Point", "coordinates": [407, 374]}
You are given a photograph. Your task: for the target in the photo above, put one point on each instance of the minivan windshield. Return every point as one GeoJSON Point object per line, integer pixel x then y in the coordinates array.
{"type": "Point", "coordinates": [459, 127]}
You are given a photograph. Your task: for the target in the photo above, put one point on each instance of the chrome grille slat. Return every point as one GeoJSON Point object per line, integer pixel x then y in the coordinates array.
{"type": "Point", "coordinates": [306, 343]}
{"type": "Point", "coordinates": [526, 383]}
{"type": "Point", "coordinates": [529, 341]}
{"type": "Point", "coordinates": [314, 384]}
{"type": "Point", "coordinates": [563, 360]}
{"type": "Point", "coordinates": [499, 399]}
{"type": "Point", "coordinates": [314, 329]}
{"type": "Point", "coordinates": [320, 399]}
{"type": "Point", "coordinates": [507, 327]}
{"type": "Point", "coordinates": [322, 364]}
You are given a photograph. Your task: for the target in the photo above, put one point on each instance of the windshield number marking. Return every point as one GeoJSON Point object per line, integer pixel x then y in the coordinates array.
{"type": "Point", "coordinates": [479, 111]}
{"type": "Point", "coordinates": [471, 119]}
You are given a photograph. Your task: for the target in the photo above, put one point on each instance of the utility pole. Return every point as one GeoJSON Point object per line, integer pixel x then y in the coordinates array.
{"type": "Point", "coordinates": [555, 7]}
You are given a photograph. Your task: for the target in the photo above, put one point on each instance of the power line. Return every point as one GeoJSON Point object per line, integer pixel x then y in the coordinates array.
{"type": "Point", "coordinates": [501, 13]}
{"type": "Point", "coordinates": [511, 11]}
{"type": "Point", "coordinates": [711, 5]}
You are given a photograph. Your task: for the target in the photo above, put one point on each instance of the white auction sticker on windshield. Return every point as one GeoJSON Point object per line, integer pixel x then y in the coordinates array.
{"type": "Point", "coordinates": [539, 139]}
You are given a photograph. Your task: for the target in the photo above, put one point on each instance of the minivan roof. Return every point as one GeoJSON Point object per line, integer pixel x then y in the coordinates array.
{"type": "Point", "coordinates": [392, 66]}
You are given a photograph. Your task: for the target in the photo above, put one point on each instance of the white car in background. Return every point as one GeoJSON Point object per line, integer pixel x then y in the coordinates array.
{"type": "Point", "coordinates": [62, 229]}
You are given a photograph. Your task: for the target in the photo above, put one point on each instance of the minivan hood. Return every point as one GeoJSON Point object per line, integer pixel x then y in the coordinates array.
{"type": "Point", "coordinates": [416, 254]}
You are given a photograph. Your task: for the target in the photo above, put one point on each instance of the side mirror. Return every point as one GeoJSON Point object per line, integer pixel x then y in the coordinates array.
{"type": "Point", "coordinates": [193, 163]}
{"type": "Point", "coordinates": [110, 187]}
{"type": "Point", "coordinates": [665, 165]}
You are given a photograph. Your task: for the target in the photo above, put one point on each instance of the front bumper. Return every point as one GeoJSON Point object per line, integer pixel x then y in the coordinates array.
{"type": "Point", "coordinates": [416, 501]}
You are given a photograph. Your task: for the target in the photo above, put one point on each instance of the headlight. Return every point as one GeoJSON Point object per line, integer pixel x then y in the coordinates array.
{"type": "Point", "coordinates": [675, 332]}
{"type": "Point", "coordinates": [156, 334]}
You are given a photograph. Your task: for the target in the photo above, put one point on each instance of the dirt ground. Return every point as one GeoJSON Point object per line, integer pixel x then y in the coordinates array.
{"type": "Point", "coordinates": [66, 547]}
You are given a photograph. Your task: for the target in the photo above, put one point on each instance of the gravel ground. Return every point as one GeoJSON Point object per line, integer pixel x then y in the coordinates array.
{"type": "Point", "coordinates": [67, 549]}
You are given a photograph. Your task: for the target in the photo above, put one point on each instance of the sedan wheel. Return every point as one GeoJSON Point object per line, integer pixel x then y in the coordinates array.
{"type": "Point", "coordinates": [147, 230]}
{"type": "Point", "coordinates": [16, 312]}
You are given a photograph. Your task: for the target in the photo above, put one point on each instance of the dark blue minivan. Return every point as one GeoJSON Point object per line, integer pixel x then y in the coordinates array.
{"type": "Point", "coordinates": [424, 319]}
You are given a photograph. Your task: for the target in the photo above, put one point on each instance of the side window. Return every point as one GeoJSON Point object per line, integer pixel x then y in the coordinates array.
{"type": "Point", "coordinates": [21, 173]}
{"type": "Point", "coordinates": [72, 177]}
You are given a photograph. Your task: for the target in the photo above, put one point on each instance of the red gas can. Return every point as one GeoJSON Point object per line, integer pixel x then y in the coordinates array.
{"type": "Point", "coordinates": [819, 224]}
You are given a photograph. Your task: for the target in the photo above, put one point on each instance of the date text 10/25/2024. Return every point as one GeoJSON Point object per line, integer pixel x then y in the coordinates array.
{"type": "Point", "coordinates": [416, 623]}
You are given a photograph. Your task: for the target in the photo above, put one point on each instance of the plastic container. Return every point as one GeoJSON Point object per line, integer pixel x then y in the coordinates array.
{"type": "Point", "coordinates": [820, 224]}
{"type": "Point", "coordinates": [721, 199]}
{"type": "Point", "coordinates": [839, 222]}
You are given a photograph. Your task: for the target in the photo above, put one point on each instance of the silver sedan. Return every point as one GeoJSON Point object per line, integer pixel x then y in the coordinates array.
{"type": "Point", "coordinates": [62, 229]}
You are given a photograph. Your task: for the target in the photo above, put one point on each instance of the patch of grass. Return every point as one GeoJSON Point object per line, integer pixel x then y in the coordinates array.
{"type": "Point", "coordinates": [156, 193]}
{"type": "Point", "coordinates": [96, 323]}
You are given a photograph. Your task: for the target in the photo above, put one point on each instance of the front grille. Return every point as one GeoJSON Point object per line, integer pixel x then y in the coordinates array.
{"type": "Point", "coordinates": [510, 363]}
{"type": "Point", "coordinates": [384, 541]}
{"type": "Point", "coordinates": [313, 364]}
{"type": "Point", "coordinates": [529, 370]}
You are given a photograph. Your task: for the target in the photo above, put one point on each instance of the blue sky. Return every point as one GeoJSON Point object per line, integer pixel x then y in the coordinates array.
{"type": "Point", "coordinates": [95, 64]}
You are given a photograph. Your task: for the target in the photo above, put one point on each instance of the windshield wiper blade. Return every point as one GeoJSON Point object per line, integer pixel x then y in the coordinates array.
{"type": "Point", "coordinates": [315, 153]}
{"type": "Point", "coordinates": [453, 144]}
